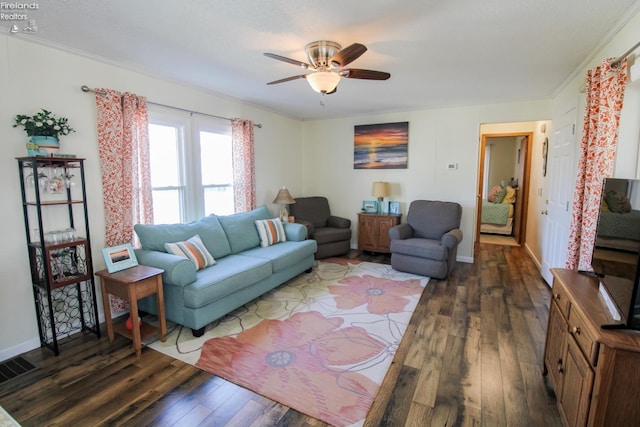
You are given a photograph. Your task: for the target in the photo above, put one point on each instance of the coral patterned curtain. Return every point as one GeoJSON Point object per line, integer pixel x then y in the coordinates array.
{"type": "Point", "coordinates": [123, 146]}
{"type": "Point", "coordinates": [605, 92]}
{"type": "Point", "coordinates": [244, 171]}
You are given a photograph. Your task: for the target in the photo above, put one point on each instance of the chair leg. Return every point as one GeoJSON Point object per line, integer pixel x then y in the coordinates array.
{"type": "Point", "coordinates": [198, 332]}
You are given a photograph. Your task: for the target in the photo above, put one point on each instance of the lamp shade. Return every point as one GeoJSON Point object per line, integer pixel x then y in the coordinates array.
{"type": "Point", "coordinates": [380, 189]}
{"type": "Point", "coordinates": [284, 197]}
{"type": "Point", "coordinates": [323, 81]}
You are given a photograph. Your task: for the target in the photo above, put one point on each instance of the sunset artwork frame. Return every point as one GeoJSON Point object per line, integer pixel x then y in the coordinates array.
{"type": "Point", "coordinates": [381, 146]}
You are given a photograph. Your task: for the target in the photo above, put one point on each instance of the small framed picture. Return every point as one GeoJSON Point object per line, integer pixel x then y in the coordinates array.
{"type": "Point", "coordinates": [119, 257]}
{"type": "Point", "coordinates": [394, 208]}
{"type": "Point", "coordinates": [370, 206]}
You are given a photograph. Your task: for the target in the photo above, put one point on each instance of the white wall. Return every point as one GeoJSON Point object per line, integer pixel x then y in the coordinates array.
{"type": "Point", "coordinates": [436, 138]}
{"type": "Point", "coordinates": [34, 77]}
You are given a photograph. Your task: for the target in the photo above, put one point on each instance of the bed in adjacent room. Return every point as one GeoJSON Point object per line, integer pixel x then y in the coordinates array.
{"type": "Point", "coordinates": [498, 210]}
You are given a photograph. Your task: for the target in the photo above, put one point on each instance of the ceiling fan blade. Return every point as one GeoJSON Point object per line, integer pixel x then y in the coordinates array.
{"type": "Point", "coordinates": [348, 55]}
{"type": "Point", "coordinates": [356, 73]}
{"type": "Point", "coordinates": [289, 60]}
{"type": "Point", "coordinates": [288, 79]}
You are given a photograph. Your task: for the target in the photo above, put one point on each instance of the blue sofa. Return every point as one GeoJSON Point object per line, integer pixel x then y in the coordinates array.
{"type": "Point", "coordinates": [243, 269]}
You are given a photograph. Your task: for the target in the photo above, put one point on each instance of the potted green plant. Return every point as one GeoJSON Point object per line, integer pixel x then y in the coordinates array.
{"type": "Point", "coordinates": [44, 130]}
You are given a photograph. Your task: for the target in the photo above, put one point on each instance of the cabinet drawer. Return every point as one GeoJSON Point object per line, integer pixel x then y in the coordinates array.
{"type": "Point", "coordinates": [584, 338]}
{"type": "Point", "coordinates": [559, 295]}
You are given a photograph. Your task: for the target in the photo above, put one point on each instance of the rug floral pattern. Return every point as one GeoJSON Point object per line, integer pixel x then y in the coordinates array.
{"type": "Point", "coordinates": [321, 344]}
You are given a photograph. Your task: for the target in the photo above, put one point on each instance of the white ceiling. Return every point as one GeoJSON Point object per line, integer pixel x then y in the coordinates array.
{"type": "Point", "coordinates": [439, 52]}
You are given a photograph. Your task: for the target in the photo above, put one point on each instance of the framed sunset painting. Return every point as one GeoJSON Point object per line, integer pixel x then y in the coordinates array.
{"type": "Point", "coordinates": [381, 146]}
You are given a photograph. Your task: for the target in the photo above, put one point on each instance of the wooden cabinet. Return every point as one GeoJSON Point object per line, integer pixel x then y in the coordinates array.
{"type": "Point", "coordinates": [57, 233]}
{"type": "Point", "coordinates": [373, 231]}
{"type": "Point", "coordinates": [595, 373]}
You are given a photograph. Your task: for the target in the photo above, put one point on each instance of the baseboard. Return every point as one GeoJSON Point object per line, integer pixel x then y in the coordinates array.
{"type": "Point", "coordinates": [33, 343]}
{"type": "Point", "coordinates": [16, 350]}
{"type": "Point", "coordinates": [533, 257]}
{"type": "Point", "coordinates": [465, 259]}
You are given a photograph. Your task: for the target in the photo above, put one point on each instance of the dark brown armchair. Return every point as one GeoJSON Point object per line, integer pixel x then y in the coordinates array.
{"type": "Point", "coordinates": [332, 233]}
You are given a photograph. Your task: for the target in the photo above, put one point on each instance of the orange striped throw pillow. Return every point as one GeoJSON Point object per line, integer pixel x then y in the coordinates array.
{"type": "Point", "coordinates": [192, 249]}
{"type": "Point", "coordinates": [271, 231]}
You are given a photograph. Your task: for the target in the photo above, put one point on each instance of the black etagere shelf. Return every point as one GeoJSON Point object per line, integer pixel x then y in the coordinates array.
{"type": "Point", "coordinates": [61, 268]}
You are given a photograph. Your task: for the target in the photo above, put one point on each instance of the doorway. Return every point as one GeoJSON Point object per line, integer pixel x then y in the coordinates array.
{"type": "Point", "coordinates": [505, 161]}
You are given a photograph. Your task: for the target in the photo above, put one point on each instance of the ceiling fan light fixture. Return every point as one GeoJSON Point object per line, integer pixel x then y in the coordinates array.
{"type": "Point", "coordinates": [323, 81]}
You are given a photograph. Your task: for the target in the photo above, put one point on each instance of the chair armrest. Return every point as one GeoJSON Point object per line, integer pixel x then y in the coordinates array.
{"type": "Point", "coordinates": [295, 232]}
{"type": "Point", "coordinates": [452, 238]}
{"type": "Point", "coordinates": [338, 222]}
{"type": "Point", "coordinates": [307, 224]}
{"type": "Point", "coordinates": [178, 271]}
{"type": "Point", "coordinates": [400, 232]}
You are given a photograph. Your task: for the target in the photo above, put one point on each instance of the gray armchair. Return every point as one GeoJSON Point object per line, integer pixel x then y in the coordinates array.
{"type": "Point", "coordinates": [427, 244]}
{"type": "Point", "coordinates": [332, 233]}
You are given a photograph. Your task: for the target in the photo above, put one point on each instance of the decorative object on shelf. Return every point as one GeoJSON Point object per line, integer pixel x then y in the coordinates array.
{"type": "Point", "coordinates": [119, 257]}
{"type": "Point", "coordinates": [44, 130]}
{"type": "Point", "coordinates": [129, 323]}
{"type": "Point", "coordinates": [284, 198]}
{"type": "Point", "coordinates": [381, 146]}
{"type": "Point", "coordinates": [380, 190]}
{"type": "Point", "coordinates": [370, 206]}
{"type": "Point", "coordinates": [394, 208]}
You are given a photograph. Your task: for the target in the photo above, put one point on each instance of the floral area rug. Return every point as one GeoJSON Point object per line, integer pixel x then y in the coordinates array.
{"type": "Point", "coordinates": [320, 344]}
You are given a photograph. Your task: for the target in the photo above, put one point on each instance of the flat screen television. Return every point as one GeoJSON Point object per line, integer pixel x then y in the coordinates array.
{"type": "Point", "coordinates": [616, 253]}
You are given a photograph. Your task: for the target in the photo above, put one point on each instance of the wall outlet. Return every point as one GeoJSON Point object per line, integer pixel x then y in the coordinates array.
{"type": "Point", "coordinates": [452, 166]}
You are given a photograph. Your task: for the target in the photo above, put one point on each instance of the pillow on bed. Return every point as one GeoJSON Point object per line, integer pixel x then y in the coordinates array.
{"type": "Point", "coordinates": [499, 197]}
{"type": "Point", "coordinates": [510, 196]}
{"type": "Point", "coordinates": [617, 202]}
{"type": "Point", "coordinates": [492, 193]}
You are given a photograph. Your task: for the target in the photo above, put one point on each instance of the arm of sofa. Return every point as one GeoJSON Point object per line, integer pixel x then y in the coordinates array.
{"type": "Point", "coordinates": [452, 238]}
{"type": "Point", "coordinates": [295, 232]}
{"type": "Point", "coordinates": [178, 271]}
{"type": "Point", "coordinates": [400, 232]}
{"type": "Point", "coordinates": [338, 222]}
{"type": "Point", "coordinates": [308, 225]}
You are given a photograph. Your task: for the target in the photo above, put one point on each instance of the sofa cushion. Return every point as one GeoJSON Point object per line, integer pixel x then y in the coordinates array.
{"type": "Point", "coordinates": [285, 254]}
{"type": "Point", "coordinates": [192, 249]}
{"type": "Point", "coordinates": [241, 230]}
{"type": "Point", "coordinates": [422, 248]}
{"type": "Point", "coordinates": [229, 275]}
{"type": "Point", "coordinates": [270, 231]}
{"type": "Point", "coordinates": [154, 236]}
{"type": "Point", "coordinates": [331, 234]}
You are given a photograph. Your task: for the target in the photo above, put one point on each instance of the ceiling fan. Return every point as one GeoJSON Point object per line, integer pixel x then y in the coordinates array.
{"type": "Point", "coordinates": [326, 61]}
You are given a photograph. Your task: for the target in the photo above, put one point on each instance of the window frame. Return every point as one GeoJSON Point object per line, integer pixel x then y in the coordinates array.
{"type": "Point", "coordinates": [189, 126]}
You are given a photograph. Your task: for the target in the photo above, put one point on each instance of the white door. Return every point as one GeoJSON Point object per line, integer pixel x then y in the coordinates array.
{"type": "Point", "coordinates": [556, 214]}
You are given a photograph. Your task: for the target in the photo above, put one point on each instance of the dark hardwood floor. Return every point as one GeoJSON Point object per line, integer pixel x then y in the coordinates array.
{"type": "Point", "coordinates": [471, 356]}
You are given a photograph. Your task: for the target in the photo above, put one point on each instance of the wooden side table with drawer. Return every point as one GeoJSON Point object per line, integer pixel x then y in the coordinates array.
{"type": "Point", "coordinates": [131, 285]}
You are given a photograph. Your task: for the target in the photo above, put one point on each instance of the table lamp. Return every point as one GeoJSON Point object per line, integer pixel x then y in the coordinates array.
{"type": "Point", "coordinates": [380, 190]}
{"type": "Point", "coordinates": [284, 198]}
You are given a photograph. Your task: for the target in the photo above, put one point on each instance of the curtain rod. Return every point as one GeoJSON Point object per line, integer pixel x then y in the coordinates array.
{"type": "Point", "coordinates": [86, 88]}
{"type": "Point", "coordinates": [618, 60]}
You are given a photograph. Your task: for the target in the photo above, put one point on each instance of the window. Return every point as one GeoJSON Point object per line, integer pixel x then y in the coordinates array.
{"type": "Point", "coordinates": [191, 167]}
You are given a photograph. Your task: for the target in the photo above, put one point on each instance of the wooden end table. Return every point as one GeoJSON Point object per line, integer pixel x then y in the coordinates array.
{"type": "Point", "coordinates": [131, 285]}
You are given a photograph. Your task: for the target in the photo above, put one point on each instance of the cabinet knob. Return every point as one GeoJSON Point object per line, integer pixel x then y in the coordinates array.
{"type": "Point", "coordinates": [556, 296]}
{"type": "Point", "coordinates": [559, 360]}
{"type": "Point", "coordinates": [575, 330]}
{"type": "Point", "coordinates": [560, 370]}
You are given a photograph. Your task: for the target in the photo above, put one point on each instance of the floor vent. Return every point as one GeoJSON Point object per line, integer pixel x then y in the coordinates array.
{"type": "Point", "coordinates": [14, 368]}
